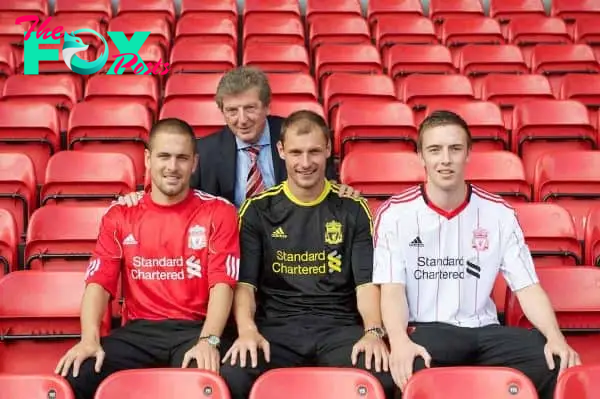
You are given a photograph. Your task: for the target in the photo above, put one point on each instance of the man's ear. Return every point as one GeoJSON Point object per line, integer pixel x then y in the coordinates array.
{"type": "Point", "coordinates": [280, 150]}
{"type": "Point", "coordinates": [147, 158]}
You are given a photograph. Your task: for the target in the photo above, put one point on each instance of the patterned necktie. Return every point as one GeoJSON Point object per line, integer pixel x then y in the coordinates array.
{"type": "Point", "coordinates": [255, 183]}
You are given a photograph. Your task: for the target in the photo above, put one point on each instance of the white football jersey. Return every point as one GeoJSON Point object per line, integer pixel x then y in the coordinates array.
{"type": "Point", "coordinates": [449, 261]}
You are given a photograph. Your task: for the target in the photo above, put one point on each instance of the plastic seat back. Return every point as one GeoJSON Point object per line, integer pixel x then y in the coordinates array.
{"type": "Point", "coordinates": [9, 239]}
{"type": "Point", "coordinates": [18, 188]}
{"type": "Point", "coordinates": [34, 386]}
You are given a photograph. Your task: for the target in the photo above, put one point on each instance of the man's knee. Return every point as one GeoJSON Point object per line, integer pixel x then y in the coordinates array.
{"type": "Point", "coordinates": [239, 379]}
{"type": "Point", "coordinates": [87, 381]}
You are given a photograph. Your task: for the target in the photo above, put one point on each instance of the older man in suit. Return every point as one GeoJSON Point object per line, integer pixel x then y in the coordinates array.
{"type": "Point", "coordinates": [242, 160]}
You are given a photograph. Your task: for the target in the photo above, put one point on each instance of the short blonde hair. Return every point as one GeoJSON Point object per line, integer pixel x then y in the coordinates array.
{"type": "Point", "coordinates": [242, 79]}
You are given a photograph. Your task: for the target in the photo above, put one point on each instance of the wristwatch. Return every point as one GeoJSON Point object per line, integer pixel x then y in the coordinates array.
{"type": "Point", "coordinates": [377, 331]}
{"type": "Point", "coordinates": [212, 340]}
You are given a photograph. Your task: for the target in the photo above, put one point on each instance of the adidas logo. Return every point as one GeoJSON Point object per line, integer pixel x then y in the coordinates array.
{"type": "Point", "coordinates": [416, 242]}
{"type": "Point", "coordinates": [279, 233]}
{"type": "Point", "coordinates": [130, 240]}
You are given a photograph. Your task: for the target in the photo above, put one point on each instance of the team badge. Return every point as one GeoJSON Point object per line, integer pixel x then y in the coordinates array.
{"type": "Point", "coordinates": [480, 239]}
{"type": "Point", "coordinates": [196, 237]}
{"type": "Point", "coordinates": [333, 232]}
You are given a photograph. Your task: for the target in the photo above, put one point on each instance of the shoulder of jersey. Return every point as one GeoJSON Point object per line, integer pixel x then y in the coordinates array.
{"type": "Point", "coordinates": [209, 197]}
{"type": "Point", "coordinates": [335, 190]}
{"type": "Point", "coordinates": [269, 193]}
{"type": "Point", "coordinates": [491, 199]}
{"type": "Point", "coordinates": [405, 197]}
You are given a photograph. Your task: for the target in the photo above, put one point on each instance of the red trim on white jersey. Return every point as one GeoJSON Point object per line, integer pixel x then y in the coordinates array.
{"type": "Point", "coordinates": [486, 195]}
{"type": "Point", "coordinates": [442, 212]}
{"type": "Point", "coordinates": [407, 195]}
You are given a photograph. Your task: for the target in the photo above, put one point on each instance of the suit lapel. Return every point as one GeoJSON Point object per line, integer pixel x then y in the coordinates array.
{"type": "Point", "coordinates": [229, 152]}
{"type": "Point", "coordinates": [278, 164]}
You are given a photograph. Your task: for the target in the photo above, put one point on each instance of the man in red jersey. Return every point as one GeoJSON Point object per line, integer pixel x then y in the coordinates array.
{"type": "Point", "coordinates": [177, 256]}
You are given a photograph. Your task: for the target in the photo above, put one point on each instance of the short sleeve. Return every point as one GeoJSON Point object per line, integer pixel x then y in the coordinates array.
{"type": "Point", "coordinates": [389, 263]}
{"type": "Point", "coordinates": [251, 244]}
{"type": "Point", "coordinates": [517, 264]}
{"type": "Point", "coordinates": [224, 247]}
{"type": "Point", "coordinates": [362, 246]}
{"type": "Point", "coordinates": [105, 264]}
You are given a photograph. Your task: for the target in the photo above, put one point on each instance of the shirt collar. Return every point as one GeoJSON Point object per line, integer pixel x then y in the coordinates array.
{"type": "Point", "coordinates": [265, 139]}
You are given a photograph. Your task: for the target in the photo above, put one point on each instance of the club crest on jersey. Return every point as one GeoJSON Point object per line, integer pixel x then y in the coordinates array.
{"type": "Point", "coordinates": [480, 239]}
{"type": "Point", "coordinates": [333, 232]}
{"type": "Point", "coordinates": [196, 237]}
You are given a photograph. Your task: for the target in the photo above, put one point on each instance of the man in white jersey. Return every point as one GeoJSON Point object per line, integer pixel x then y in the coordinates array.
{"type": "Point", "coordinates": [438, 250]}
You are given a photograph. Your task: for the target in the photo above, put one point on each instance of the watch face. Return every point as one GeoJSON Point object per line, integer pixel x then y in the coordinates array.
{"type": "Point", "coordinates": [214, 340]}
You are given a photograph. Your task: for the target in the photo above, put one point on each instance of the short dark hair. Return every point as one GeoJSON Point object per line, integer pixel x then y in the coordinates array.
{"type": "Point", "coordinates": [442, 118]}
{"type": "Point", "coordinates": [172, 125]}
{"type": "Point", "coordinates": [305, 121]}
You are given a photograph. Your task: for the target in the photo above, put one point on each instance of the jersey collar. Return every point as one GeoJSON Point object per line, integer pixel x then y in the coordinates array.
{"type": "Point", "coordinates": [317, 201]}
{"type": "Point", "coordinates": [442, 212]}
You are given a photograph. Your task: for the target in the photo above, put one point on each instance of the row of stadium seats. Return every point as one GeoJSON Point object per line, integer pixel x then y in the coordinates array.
{"type": "Point", "coordinates": [39, 314]}
{"type": "Point", "coordinates": [318, 383]}
{"type": "Point", "coordinates": [61, 233]}
{"type": "Point", "coordinates": [503, 10]}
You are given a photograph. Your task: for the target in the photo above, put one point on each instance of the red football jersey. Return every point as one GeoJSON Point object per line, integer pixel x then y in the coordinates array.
{"type": "Point", "coordinates": [168, 256]}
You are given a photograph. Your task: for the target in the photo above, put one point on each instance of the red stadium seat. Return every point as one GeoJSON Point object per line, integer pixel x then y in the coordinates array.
{"type": "Point", "coordinates": [260, 28]}
{"type": "Point", "coordinates": [150, 53]}
{"type": "Point", "coordinates": [389, 173]}
{"type": "Point", "coordinates": [59, 91]}
{"type": "Point", "coordinates": [556, 59]}
{"type": "Point", "coordinates": [341, 87]}
{"type": "Point", "coordinates": [18, 190]}
{"type": "Point", "coordinates": [318, 383]}
{"type": "Point", "coordinates": [130, 23]}
{"type": "Point", "coordinates": [293, 86]}
{"type": "Point", "coordinates": [592, 237]}
{"type": "Point", "coordinates": [389, 124]}
{"type": "Point", "coordinates": [338, 29]}
{"type": "Point", "coordinates": [216, 9]}
{"type": "Point", "coordinates": [148, 8]}
{"type": "Point", "coordinates": [57, 66]}
{"type": "Point", "coordinates": [284, 108]}
{"type": "Point", "coordinates": [418, 90]}
{"type": "Point", "coordinates": [32, 129]}
{"type": "Point", "coordinates": [484, 120]}
{"type": "Point", "coordinates": [405, 29]}
{"type": "Point", "coordinates": [573, 293]}
{"type": "Point", "coordinates": [100, 126]}
{"type": "Point", "coordinates": [203, 115]}
{"type": "Point", "coordinates": [207, 29]}
{"type": "Point", "coordinates": [271, 8]}
{"type": "Point", "coordinates": [500, 173]}
{"type": "Point", "coordinates": [378, 9]}
{"type": "Point", "coordinates": [585, 89]}
{"type": "Point", "coordinates": [402, 60]}
{"type": "Point", "coordinates": [62, 237]}
{"type": "Point", "coordinates": [12, 34]}
{"type": "Point", "coordinates": [9, 239]}
{"type": "Point", "coordinates": [43, 385]}
{"type": "Point", "coordinates": [196, 56]}
{"type": "Point", "coordinates": [467, 382]}
{"type": "Point", "coordinates": [506, 10]}
{"type": "Point", "coordinates": [201, 86]}
{"type": "Point", "coordinates": [571, 179]}
{"type": "Point", "coordinates": [544, 125]}
{"type": "Point", "coordinates": [579, 382]}
{"type": "Point", "coordinates": [587, 31]}
{"type": "Point", "coordinates": [478, 60]}
{"type": "Point", "coordinates": [331, 7]}
{"type": "Point", "coordinates": [458, 31]}
{"type": "Point", "coordinates": [97, 9]}
{"type": "Point", "coordinates": [553, 242]}
{"type": "Point", "coordinates": [358, 58]}
{"type": "Point", "coordinates": [572, 10]}
{"type": "Point", "coordinates": [124, 89]}
{"type": "Point", "coordinates": [40, 320]}
{"type": "Point", "coordinates": [99, 178]}
{"type": "Point", "coordinates": [535, 29]}
{"type": "Point", "coordinates": [183, 384]}
{"type": "Point", "coordinates": [17, 8]}
{"type": "Point", "coordinates": [277, 57]}
{"type": "Point", "coordinates": [509, 90]}
{"type": "Point", "coordinates": [440, 10]}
